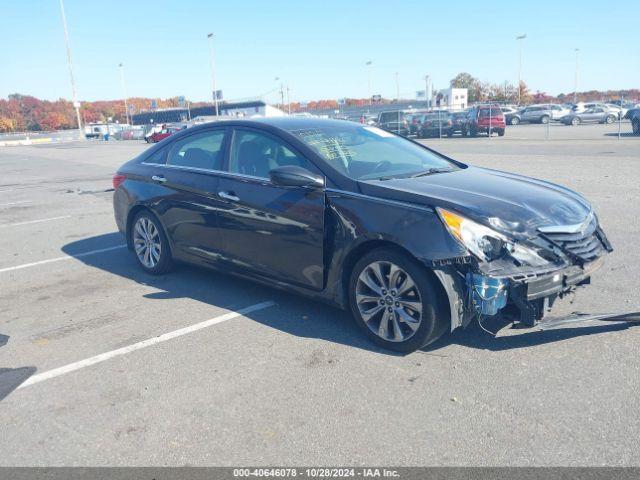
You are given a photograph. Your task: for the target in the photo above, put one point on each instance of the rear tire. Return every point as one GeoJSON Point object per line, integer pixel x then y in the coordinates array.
{"type": "Point", "coordinates": [515, 121]}
{"type": "Point", "coordinates": [395, 302]}
{"type": "Point", "coordinates": [635, 126]}
{"type": "Point", "coordinates": [610, 119]}
{"type": "Point", "coordinates": [501, 133]}
{"type": "Point", "coordinates": [544, 119]}
{"type": "Point", "coordinates": [575, 121]}
{"type": "Point", "coordinates": [150, 244]}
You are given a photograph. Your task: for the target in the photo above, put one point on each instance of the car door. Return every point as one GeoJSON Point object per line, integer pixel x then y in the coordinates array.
{"type": "Point", "coordinates": [188, 210]}
{"type": "Point", "coordinates": [273, 231]}
{"type": "Point", "coordinates": [592, 115]}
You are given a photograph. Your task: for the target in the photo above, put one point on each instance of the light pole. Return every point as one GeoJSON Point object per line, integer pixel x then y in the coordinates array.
{"type": "Point", "coordinates": [575, 87]}
{"type": "Point", "coordinates": [124, 92]}
{"type": "Point", "coordinates": [213, 72]}
{"type": "Point", "coordinates": [76, 104]}
{"type": "Point", "coordinates": [397, 87]}
{"type": "Point", "coordinates": [288, 100]}
{"type": "Point", "coordinates": [426, 90]}
{"type": "Point", "coordinates": [520, 38]}
{"type": "Point", "coordinates": [368, 64]}
{"type": "Point", "coordinates": [281, 88]}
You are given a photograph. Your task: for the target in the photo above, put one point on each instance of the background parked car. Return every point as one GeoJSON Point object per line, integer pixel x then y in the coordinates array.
{"type": "Point", "coordinates": [484, 118]}
{"type": "Point", "coordinates": [162, 134]}
{"type": "Point", "coordinates": [433, 123]}
{"type": "Point", "coordinates": [634, 116]}
{"type": "Point", "coordinates": [509, 114]}
{"type": "Point", "coordinates": [413, 121]}
{"type": "Point", "coordinates": [394, 121]}
{"type": "Point", "coordinates": [539, 114]}
{"type": "Point", "coordinates": [457, 121]}
{"type": "Point", "coordinates": [592, 115]}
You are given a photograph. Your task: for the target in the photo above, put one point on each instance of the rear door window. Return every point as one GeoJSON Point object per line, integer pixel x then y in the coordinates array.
{"type": "Point", "coordinates": [202, 150]}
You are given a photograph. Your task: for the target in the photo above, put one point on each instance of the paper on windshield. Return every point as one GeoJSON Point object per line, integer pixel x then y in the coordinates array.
{"type": "Point", "coordinates": [378, 131]}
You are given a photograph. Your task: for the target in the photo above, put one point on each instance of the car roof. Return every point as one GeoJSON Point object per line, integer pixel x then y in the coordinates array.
{"type": "Point", "coordinates": [283, 123]}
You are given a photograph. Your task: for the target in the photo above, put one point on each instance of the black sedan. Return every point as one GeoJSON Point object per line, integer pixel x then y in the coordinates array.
{"type": "Point", "coordinates": [415, 244]}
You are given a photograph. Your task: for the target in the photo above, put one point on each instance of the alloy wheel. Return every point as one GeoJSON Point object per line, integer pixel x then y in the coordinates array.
{"type": "Point", "coordinates": [147, 242]}
{"type": "Point", "coordinates": [389, 301]}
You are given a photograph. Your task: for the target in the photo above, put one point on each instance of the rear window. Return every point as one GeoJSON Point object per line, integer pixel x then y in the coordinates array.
{"type": "Point", "coordinates": [391, 117]}
{"type": "Point", "coordinates": [495, 112]}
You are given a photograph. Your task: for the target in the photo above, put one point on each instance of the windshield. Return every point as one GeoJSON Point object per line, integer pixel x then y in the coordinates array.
{"type": "Point", "coordinates": [362, 152]}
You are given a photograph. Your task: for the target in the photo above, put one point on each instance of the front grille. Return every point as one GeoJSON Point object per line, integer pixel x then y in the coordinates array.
{"type": "Point", "coordinates": [585, 245]}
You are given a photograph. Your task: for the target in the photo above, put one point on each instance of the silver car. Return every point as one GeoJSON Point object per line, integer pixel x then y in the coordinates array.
{"type": "Point", "coordinates": [591, 115]}
{"type": "Point", "coordinates": [542, 113]}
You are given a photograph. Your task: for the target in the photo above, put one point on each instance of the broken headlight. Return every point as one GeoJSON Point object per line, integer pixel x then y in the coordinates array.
{"type": "Point", "coordinates": [485, 243]}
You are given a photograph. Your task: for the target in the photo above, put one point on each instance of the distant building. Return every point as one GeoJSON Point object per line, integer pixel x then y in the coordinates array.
{"type": "Point", "coordinates": [256, 108]}
{"type": "Point", "coordinates": [452, 98]}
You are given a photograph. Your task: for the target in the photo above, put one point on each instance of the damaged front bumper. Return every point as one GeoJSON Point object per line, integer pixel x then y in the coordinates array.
{"type": "Point", "coordinates": [524, 294]}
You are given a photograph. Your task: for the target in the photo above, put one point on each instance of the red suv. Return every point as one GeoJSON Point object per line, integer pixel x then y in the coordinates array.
{"type": "Point", "coordinates": [484, 118]}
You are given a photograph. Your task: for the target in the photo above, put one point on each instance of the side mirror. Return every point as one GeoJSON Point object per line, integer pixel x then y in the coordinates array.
{"type": "Point", "coordinates": [294, 176]}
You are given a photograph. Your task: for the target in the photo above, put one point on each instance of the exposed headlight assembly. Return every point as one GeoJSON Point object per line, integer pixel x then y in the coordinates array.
{"type": "Point", "coordinates": [485, 243]}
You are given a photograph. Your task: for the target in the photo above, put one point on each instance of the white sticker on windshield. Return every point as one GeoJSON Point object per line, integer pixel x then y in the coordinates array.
{"type": "Point", "coordinates": [378, 131]}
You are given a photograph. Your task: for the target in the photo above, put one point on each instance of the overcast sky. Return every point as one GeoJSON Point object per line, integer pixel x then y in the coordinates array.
{"type": "Point", "coordinates": [319, 48]}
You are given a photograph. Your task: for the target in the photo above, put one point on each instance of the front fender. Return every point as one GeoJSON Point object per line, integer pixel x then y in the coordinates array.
{"type": "Point", "coordinates": [355, 220]}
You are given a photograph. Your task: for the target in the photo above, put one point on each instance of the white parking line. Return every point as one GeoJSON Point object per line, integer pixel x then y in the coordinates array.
{"type": "Point", "coordinates": [72, 367]}
{"type": "Point", "coordinates": [29, 222]}
{"type": "Point", "coordinates": [59, 259]}
{"type": "Point", "coordinates": [14, 203]}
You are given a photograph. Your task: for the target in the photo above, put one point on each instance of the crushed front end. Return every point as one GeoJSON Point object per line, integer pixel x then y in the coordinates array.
{"type": "Point", "coordinates": [519, 276]}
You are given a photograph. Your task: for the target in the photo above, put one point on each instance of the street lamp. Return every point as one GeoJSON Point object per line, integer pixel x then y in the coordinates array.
{"type": "Point", "coordinates": [124, 93]}
{"type": "Point", "coordinates": [76, 104]}
{"type": "Point", "coordinates": [281, 92]}
{"type": "Point", "coordinates": [213, 72]}
{"type": "Point", "coordinates": [426, 90]}
{"type": "Point", "coordinates": [520, 38]}
{"type": "Point", "coordinates": [575, 87]}
{"type": "Point", "coordinates": [368, 64]}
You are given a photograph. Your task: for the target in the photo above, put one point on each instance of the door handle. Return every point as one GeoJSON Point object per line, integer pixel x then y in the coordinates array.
{"type": "Point", "coordinates": [158, 178]}
{"type": "Point", "coordinates": [229, 196]}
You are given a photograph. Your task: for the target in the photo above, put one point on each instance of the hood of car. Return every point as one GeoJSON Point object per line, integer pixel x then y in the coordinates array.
{"type": "Point", "coordinates": [513, 204]}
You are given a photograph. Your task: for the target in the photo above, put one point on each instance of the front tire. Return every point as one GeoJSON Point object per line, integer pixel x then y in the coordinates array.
{"type": "Point", "coordinates": [635, 126]}
{"type": "Point", "coordinates": [544, 120]}
{"type": "Point", "coordinates": [610, 119]}
{"type": "Point", "coordinates": [575, 121]}
{"type": "Point", "coordinates": [150, 244]}
{"type": "Point", "coordinates": [395, 302]}
{"type": "Point", "coordinates": [515, 121]}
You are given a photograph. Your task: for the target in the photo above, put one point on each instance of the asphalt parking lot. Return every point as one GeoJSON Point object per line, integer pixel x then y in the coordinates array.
{"type": "Point", "coordinates": [274, 379]}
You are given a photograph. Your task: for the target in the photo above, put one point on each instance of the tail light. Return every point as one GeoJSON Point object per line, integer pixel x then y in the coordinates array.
{"type": "Point", "coordinates": [117, 180]}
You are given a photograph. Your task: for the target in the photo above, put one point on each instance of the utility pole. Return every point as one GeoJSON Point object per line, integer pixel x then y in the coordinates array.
{"type": "Point", "coordinates": [397, 88]}
{"type": "Point", "coordinates": [76, 104]}
{"type": "Point", "coordinates": [213, 73]}
{"type": "Point", "coordinates": [426, 90]}
{"type": "Point", "coordinates": [124, 93]}
{"type": "Point", "coordinates": [575, 88]}
{"type": "Point", "coordinates": [288, 100]}
{"type": "Point", "coordinates": [282, 95]}
{"type": "Point", "coordinates": [368, 64]}
{"type": "Point", "coordinates": [520, 38]}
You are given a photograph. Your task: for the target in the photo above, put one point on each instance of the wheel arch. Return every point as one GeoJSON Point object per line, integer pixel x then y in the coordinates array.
{"type": "Point", "coordinates": [131, 215]}
{"type": "Point", "coordinates": [369, 245]}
